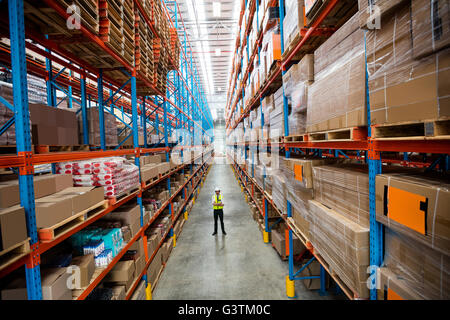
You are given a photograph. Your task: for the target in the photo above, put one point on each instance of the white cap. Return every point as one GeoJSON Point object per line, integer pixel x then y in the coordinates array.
{"type": "Point", "coordinates": [217, 189]}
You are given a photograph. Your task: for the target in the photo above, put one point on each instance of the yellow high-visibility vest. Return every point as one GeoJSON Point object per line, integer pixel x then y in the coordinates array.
{"type": "Point", "coordinates": [218, 200]}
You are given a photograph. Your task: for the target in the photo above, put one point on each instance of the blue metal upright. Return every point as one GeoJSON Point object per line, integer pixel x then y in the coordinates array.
{"type": "Point", "coordinates": [23, 141]}
{"type": "Point", "coordinates": [83, 108]}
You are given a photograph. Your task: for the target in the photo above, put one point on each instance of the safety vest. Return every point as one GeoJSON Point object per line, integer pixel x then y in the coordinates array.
{"type": "Point", "coordinates": [218, 201]}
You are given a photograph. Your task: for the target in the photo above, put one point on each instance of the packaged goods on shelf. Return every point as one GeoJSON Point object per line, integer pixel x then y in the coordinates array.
{"type": "Point", "coordinates": [343, 244]}
{"type": "Point", "coordinates": [267, 104]}
{"type": "Point", "coordinates": [13, 228]}
{"type": "Point", "coordinates": [121, 274]}
{"type": "Point", "coordinates": [111, 138]}
{"type": "Point", "coordinates": [54, 284]}
{"type": "Point", "coordinates": [339, 14]}
{"type": "Point", "coordinates": [279, 190]}
{"type": "Point", "coordinates": [369, 12]}
{"type": "Point", "coordinates": [118, 292]}
{"type": "Point", "coordinates": [105, 244]}
{"type": "Point", "coordinates": [344, 188]}
{"type": "Point", "coordinates": [425, 271]}
{"type": "Point", "coordinates": [337, 98]}
{"type": "Point", "coordinates": [430, 26]}
{"type": "Point", "coordinates": [126, 136]}
{"type": "Point", "coordinates": [154, 269]}
{"type": "Point", "coordinates": [403, 89]}
{"type": "Point", "coordinates": [271, 46]}
{"type": "Point", "coordinates": [127, 217]}
{"type": "Point", "coordinates": [139, 292]}
{"type": "Point", "coordinates": [394, 287]}
{"type": "Point", "coordinates": [300, 171]}
{"type": "Point", "coordinates": [83, 267]}
{"type": "Point", "coordinates": [295, 84]}
{"type": "Point", "coordinates": [293, 20]}
{"type": "Point", "coordinates": [416, 205]}
{"type": "Point", "coordinates": [276, 118]}
{"type": "Point", "coordinates": [114, 174]}
{"type": "Point", "coordinates": [279, 243]}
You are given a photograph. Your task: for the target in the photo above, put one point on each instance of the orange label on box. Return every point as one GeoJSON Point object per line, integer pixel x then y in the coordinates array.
{"type": "Point", "coordinates": [406, 208]}
{"type": "Point", "coordinates": [392, 295]}
{"type": "Point", "coordinates": [298, 172]}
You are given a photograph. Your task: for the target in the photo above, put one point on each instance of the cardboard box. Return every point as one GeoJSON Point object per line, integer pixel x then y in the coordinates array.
{"type": "Point", "coordinates": [368, 14]}
{"type": "Point", "coordinates": [153, 159]}
{"type": "Point", "coordinates": [301, 170]}
{"type": "Point", "coordinates": [139, 264]}
{"type": "Point", "coordinates": [430, 26]}
{"type": "Point", "coordinates": [119, 292]}
{"type": "Point", "coordinates": [393, 287]}
{"type": "Point", "coordinates": [62, 181]}
{"type": "Point", "coordinates": [163, 167]}
{"type": "Point", "coordinates": [345, 189]}
{"type": "Point", "coordinates": [86, 266]}
{"type": "Point", "coordinates": [337, 98]}
{"type": "Point", "coordinates": [401, 88]}
{"type": "Point", "coordinates": [9, 194]}
{"type": "Point", "coordinates": [128, 215]}
{"type": "Point", "coordinates": [279, 242]}
{"type": "Point", "coordinates": [424, 270]}
{"type": "Point", "coordinates": [416, 205]}
{"type": "Point", "coordinates": [343, 244]}
{"type": "Point", "coordinates": [51, 211]}
{"type": "Point", "coordinates": [122, 272]}
{"type": "Point", "coordinates": [293, 20]}
{"type": "Point", "coordinates": [13, 227]}
{"type": "Point", "coordinates": [154, 268]}
{"type": "Point", "coordinates": [84, 197]}
{"type": "Point", "coordinates": [54, 284]}
{"type": "Point", "coordinates": [149, 171]}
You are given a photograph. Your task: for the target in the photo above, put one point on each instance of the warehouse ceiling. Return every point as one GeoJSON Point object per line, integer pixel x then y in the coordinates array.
{"type": "Point", "coordinates": [211, 26]}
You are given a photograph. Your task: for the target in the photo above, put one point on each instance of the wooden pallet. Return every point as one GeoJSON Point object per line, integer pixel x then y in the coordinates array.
{"type": "Point", "coordinates": [150, 181]}
{"type": "Point", "coordinates": [309, 46]}
{"type": "Point", "coordinates": [118, 198]}
{"type": "Point", "coordinates": [277, 140]}
{"type": "Point", "coordinates": [14, 253]}
{"type": "Point", "coordinates": [296, 138]}
{"type": "Point", "coordinates": [413, 130]}
{"type": "Point", "coordinates": [348, 134]}
{"type": "Point", "coordinates": [341, 12]}
{"type": "Point", "coordinates": [50, 233]}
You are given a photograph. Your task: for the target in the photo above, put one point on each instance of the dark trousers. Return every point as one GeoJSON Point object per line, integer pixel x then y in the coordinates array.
{"type": "Point", "coordinates": [218, 213]}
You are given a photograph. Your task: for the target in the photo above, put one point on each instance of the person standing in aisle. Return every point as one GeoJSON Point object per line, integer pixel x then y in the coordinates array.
{"type": "Point", "coordinates": [217, 202]}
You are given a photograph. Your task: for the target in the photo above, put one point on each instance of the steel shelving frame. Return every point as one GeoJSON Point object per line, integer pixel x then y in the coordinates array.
{"type": "Point", "coordinates": [370, 147]}
{"type": "Point", "coordinates": [182, 107]}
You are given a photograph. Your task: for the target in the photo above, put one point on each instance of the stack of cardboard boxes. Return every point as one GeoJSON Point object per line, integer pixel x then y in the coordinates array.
{"type": "Point", "coordinates": [111, 138]}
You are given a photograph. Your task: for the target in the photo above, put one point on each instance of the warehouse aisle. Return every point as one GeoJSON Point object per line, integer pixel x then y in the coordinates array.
{"type": "Point", "coordinates": [236, 266]}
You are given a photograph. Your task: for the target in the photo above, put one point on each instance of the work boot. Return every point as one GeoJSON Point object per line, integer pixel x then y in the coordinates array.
{"type": "Point", "coordinates": [214, 233]}
{"type": "Point", "coordinates": [224, 233]}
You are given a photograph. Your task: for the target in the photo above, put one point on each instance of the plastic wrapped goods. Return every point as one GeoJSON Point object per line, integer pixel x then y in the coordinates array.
{"type": "Point", "coordinates": [416, 205]}
{"type": "Point", "coordinates": [343, 244]}
{"type": "Point", "coordinates": [344, 188]}
{"type": "Point", "coordinates": [279, 190]}
{"type": "Point", "coordinates": [293, 20]}
{"type": "Point", "coordinates": [337, 98]}
{"type": "Point", "coordinates": [425, 271]}
{"type": "Point", "coordinates": [401, 88]}
{"type": "Point", "coordinates": [114, 174]}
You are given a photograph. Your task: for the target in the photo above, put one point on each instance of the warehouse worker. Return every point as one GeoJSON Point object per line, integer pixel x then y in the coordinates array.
{"type": "Point", "coordinates": [217, 202]}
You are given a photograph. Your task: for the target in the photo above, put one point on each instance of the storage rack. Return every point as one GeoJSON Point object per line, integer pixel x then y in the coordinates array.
{"type": "Point", "coordinates": [182, 109]}
{"type": "Point", "coordinates": [368, 149]}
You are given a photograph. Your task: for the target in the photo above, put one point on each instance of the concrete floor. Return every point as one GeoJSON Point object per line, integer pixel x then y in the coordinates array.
{"type": "Point", "coordinates": [236, 266]}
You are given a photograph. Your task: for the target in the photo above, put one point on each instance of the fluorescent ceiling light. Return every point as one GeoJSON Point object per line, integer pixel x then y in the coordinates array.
{"type": "Point", "coordinates": [218, 52]}
{"type": "Point", "coordinates": [217, 6]}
